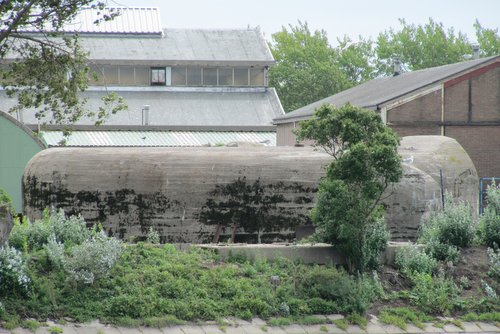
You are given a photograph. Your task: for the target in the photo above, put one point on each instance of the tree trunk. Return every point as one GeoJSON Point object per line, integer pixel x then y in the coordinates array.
{"type": "Point", "coordinates": [233, 235]}
{"type": "Point", "coordinates": [217, 234]}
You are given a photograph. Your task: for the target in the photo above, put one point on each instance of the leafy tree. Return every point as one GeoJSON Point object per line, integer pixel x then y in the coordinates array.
{"type": "Point", "coordinates": [356, 59]}
{"type": "Point", "coordinates": [420, 46]}
{"type": "Point", "coordinates": [365, 161]}
{"type": "Point", "coordinates": [50, 68]}
{"type": "Point", "coordinates": [306, 68]}
{"type": "Point", "coordinates": [488, 39]}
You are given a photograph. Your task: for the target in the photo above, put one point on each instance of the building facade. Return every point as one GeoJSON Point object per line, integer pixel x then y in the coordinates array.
{"type": "Point", "coordinates": [461, 101]}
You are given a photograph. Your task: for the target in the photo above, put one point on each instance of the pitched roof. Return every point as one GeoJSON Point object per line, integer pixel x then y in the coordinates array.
{"type": "Point", "coordinates": [131, 20]}
{"type": "Point", "coordinates": [182, 46]}
{"type": "Point", "coordinates": [204, 107]}
{"type": "Point", "coordinates": [374, 93]}
{"type": "Point", "coordinates": [157, 138]}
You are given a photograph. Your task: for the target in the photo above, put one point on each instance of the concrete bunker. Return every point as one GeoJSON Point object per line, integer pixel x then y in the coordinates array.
{"type": "Point", "coordinates": [129, 190]}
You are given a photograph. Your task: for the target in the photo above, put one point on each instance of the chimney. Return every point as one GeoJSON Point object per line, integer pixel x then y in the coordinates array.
{"type": "Point", "coordinates": [145, 115]}
{"type": "Point", "coordinates": [475, 51]}
{"type": "Point", "coordinates": [397, 66]}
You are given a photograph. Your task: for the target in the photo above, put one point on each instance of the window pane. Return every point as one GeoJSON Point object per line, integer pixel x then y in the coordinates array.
{"type": "Point", "coordinates": [127, 76]}
{"type": "Point", "coordinates": [257, 77]}
{"type": "Point", "coordinates": [158, 76]}
{"type": "Point", "coordinates": [178, 76]}
{"type": "Point", "coordinates": [193, 76]}
{"type": "Point", "coordinates": [111, 75]}
{"type": "Point", "coordinates": [210, 76]}
{"type": "Point", "coordinates": [142, 76]}
{"type": "Point", "coordinates": [241, 77]}
{"type": "Point", "coordinates": [96, 75]}
{"type": "Point", "coordinates": [225, 76]}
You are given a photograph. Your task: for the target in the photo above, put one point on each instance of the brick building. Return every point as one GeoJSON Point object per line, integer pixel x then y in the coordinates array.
{"type": "Point", "coordinates": [460, 100]}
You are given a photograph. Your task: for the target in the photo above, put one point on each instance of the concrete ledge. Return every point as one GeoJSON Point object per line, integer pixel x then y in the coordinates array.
{"type": "Point", "coordinates": [307, 253]}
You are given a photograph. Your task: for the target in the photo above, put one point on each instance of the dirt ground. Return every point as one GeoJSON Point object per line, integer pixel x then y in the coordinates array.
{"type": "Point", "coordinates": [473, 264]}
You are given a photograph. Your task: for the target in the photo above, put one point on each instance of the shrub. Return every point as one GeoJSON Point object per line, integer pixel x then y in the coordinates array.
{"type": "Point", "coordinates": [413, 259]}
{"type": "Point", "coordinates": [55, 252]}
{"type": "Point", "coordinates": [33, 236]}
{"type": "Point", "coordinates": [490, 220]}
{"type": "Point", "coordinates": [445, 231]}
{"type": "Point", "coordinates": [494, 262]}
{"type": "Point", "coordinates": [92, 259]}
{"type": "Point", "coordinates": [13, 271]}
{"type": "Point", "coordinates": [433, 294]}
{"type": "Point", "coordinates": [375, 242]}
{"type": "Point", "coordinates": [153, 237]}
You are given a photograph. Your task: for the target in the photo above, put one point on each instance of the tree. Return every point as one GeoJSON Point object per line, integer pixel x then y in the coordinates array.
{"type": "Point", "coordinates": [420, 46]}
{"type": "Point", "coordinates": [348, 213]}
{"type": "Point", "coordinates": [488, 39]}
{"type": "Point", "coordinates": [306, 69]}
{"type": "Point", "coordinates": [50, 68]}
{"type": "Point", "coordinates": [356, 59]}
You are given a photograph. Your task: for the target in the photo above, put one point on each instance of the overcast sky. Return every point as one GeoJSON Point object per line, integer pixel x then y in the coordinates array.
{"type": "Point", "coordinates": [337, 18]}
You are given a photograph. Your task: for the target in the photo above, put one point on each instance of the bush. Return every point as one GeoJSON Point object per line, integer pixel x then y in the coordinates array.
{"type": "Point", "coordinates": [437, 295]}
{"type": "Point", "coordinates": [33, 236]}
{"type": "Point", "coordinates": [413, 259]}
{"type": "Point", "coordinates": [93, 259]}
{"type": "Point", "coordinates": [376, 237]}
{"type": "Point", "coordinates": [13, 271]}
{"type": "Point", "coordinates": [494, 262]}
{"type": "Point", "coordinates": [448, 230]}
{"type": "Point", "coordinates": [490, 220]}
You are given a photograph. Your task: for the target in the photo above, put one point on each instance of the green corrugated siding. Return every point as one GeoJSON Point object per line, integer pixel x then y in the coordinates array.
{"type": "Point", "coordinates": [158, 138]}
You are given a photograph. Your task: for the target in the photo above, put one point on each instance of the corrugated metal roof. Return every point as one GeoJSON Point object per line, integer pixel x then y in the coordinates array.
{"type": "Point", "coordinates": [379, 91]}
{"type": "Point", "coordinates": [208, 108]}
{"type": "Point", "coordinates": [131, 20]}
{"type": "Point", "coordinates": [157, 138]}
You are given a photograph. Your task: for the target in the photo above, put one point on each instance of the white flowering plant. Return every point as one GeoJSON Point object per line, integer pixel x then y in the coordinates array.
{"type": "Point", "coordinates": [13, 271]}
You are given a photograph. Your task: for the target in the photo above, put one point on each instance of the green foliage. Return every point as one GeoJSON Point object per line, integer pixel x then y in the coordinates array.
{"type": "Point", "coordinates": [420, 46]}
{"type": "Point", "coordinates": [304, 59]}
{"type": "Point", "coordinates": [413, 259]}
{"type": "Point", "coordinates": [365, 162]}
{"type": "Point", "coordinates": [488, 39]}
{"type": "Point", "coordinates": [490, 220]}
{"type": "Point", "coordinates": [435, 295]}
{"type": "Point", "coordinates": [50, 69]}
{"type": "Point", "coordinates": [494, 263]}
{"type": "Point", "coordinates": [153, 236]}
{"type": "Point", "coordinates": [33, 236]}
{"type": "Point", "coordinates": [55, 330]}
{"type": "Point", "coordinates": [6, 199]}
{"type": "Point", "coordinates": [93, 259]}
{"type": "Point", "coordinates": [448, 230]}
{"type": "Point", "coordinates": [13, 272]}
{"type": "Point", "coordinates": [400, 316]}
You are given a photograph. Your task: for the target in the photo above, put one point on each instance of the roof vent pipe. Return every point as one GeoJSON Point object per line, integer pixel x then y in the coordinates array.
{"type": "Point", "coordinates": [145, 115]}
{"type": "Point", "coordinates": [475, 51]}
{"type": "Point", "coordinates": [397, 66]}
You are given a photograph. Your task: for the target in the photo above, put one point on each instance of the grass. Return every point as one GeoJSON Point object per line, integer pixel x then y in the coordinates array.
{"type": "Point", "coordinates": [488, 316]}
{"type": "Point", "coordinates": [55, 330]}
{"type": "Point", "coordinates": [323, 328]}
{"type": "Point", "coordinates": [341, 323]}
{"type": "Point", "coordinates": [401, 316]}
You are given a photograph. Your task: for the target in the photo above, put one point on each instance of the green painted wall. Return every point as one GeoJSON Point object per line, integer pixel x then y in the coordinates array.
{"type": "Point", "coordinates": [17, 147]}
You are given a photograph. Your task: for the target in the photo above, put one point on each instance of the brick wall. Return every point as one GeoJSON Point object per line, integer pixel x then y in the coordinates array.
{"type": "Point", "coordinates": [426, 108]}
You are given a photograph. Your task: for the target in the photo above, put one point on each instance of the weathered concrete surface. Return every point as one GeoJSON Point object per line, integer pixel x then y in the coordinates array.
{"type": "Point", "coordinates": [130, 189]}
{"type": "Point", "coordinates": [6, 223]}
{"type": "Point", "coordinates": [307, 253]}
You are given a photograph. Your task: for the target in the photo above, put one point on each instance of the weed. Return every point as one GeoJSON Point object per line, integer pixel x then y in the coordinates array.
{"type": "Point", "coordinates": [282, 321]}
{"type": "Point", "coordinates": [357, 319]}
{"type": "Point", "coordinates": [163, 321]}
{"type": "Point", "coordinates": [341, 323]}
{"type": "Point", "coordinates": [312, 320]}
{"type": "Point", "coordinates": [55, 330]}
{"type": "Point", "coordinates": [30, 324]}
{"type": "Point", "coordinates": [264, 328]}
{"type": "Point", "coordinates": [323, 328]}
{"type": "Point", "coordinates": [392, 319]}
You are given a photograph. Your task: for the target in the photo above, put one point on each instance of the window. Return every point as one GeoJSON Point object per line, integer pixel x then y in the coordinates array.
{"type": "Point", "coordinates": [257, 77]}
{"type": "Point", "coordinates": [178, 76]}
{"type": "Point", "coordinates": [110, 75]}
{"type": "Point", "coordinates": [142, 76]}
{"type": "Point", "coordinates": [127, 76]}
{"type": "Point", "coordinates": [193, 76]}
{"type": "Point", "coordinates": [241, 76]}
{"type": "Point", "coordinates": [225, 76]}
{"type": "Point", "coordinates": [210, 76]}
{"type": "Point", "coordinates": [158, 76]}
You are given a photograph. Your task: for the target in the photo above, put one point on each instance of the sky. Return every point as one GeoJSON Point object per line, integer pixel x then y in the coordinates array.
{"type": "Point", "coordinates": [338, 18]}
